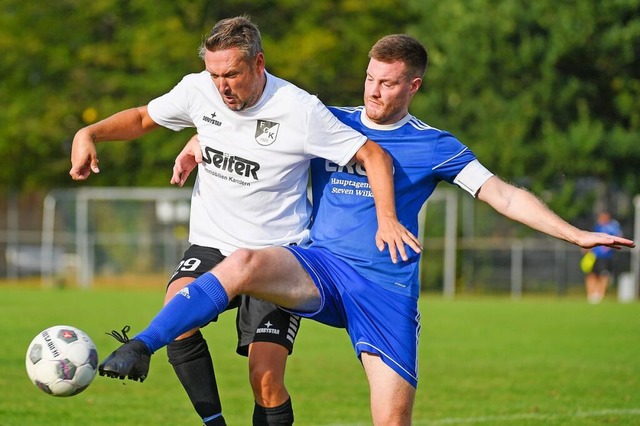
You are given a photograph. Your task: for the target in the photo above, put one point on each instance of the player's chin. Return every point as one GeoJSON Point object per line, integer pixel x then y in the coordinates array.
{"type": "Point", "coordinates": [375, 111]}
{"type": "Point", "coordinates": [233, 104]}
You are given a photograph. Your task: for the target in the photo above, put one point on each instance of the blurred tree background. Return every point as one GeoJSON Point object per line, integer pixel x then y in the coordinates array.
{"type": "Point", "coordinates": [546, 93]}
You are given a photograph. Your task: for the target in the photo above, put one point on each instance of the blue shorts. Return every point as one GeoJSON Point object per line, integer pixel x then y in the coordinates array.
{"type": "Point", "coordinates": [378, 321]}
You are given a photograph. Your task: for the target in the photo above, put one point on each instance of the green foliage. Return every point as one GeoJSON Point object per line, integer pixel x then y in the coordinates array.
{"type": "Point", "coordinates": [69, 56]}
{"type": "Point", "coordinates": [546, 93]}
{"type": "Point", "coordinates": [324, 46]}
{"type": "Point", "coordinates": [547, 90]}
{"type": "Point", "coordinates": [68, 63]}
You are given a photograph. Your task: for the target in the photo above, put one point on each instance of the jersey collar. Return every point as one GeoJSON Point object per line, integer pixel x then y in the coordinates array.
{"type": "Point", "coordinates": [370, 124]}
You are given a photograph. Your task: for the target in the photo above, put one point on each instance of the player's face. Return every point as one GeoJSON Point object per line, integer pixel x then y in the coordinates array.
{"type": "Point", "coordinates": [388, 92]}
{"type": "Point", "coordinates": [240, 83]}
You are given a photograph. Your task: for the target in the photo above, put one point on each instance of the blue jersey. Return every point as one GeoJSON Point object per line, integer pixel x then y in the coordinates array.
{"type": "Point", "coordinates": [613, 228]}
{"type": "Point", "coordinates": [345, 219]}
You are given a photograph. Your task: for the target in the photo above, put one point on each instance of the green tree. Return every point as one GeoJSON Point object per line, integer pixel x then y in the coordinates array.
{"type": "Point", "coordinates": [70, 62]}
{"type": "Point", "coordinates": [545, 91]}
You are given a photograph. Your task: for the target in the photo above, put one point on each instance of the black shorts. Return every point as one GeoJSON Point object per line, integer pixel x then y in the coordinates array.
{"type": "Point", "coordinates": [256, 320]}
{"type": "Point", "coordinates": [603, 266]}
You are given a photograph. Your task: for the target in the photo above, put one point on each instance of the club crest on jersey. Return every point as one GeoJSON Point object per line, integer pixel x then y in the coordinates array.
{"type": "Point", "coordinates": [266, 132]}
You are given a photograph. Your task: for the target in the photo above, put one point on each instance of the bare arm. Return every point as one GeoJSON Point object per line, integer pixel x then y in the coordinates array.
{"type": "Point", "coordinates": [379, 167]}
{"type": "Point", "coordinates": [125, 125]}
{"type": "Point", "coordinates": [520, 205]}
{"type": "Point", "coordinates": [186, 161]}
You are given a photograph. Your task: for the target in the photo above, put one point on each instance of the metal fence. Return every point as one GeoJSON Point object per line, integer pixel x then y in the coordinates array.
{"type": "Point", "coordinates": [88, 235]}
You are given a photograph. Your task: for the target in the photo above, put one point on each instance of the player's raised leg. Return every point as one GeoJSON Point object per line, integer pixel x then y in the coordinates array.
{"type": "Point", "coordinates": [272, 274]}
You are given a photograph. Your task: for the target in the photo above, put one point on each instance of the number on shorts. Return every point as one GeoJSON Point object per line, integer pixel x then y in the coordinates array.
{"type": "Point", "coordinates": [188, 265]}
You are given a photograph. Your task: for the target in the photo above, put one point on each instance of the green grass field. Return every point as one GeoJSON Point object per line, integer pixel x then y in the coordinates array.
{"type": "Point", "coordinates": [483, 361]}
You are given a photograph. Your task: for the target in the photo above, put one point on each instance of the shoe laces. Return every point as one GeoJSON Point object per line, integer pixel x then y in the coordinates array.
{"type": "Point", "coordinates": [122, 338]}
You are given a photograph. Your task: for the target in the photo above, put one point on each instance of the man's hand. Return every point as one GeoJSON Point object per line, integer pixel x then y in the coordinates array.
{"type": "Point", "coordinates": [84, 158]}
{"type": "Point", "coordinates": [186, 161]}
{"type": "Point", "coordinates": [393, 234]}
{"type": "Point", "coordinates": [588, 240]}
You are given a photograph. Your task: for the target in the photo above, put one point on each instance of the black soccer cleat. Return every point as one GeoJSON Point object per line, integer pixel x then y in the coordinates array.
{"type": "Point", "coordinates": [130, 360]}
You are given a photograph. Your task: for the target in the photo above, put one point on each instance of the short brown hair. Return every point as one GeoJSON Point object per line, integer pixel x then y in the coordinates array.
{"type": "Point", "coordinates": [238, 32]}
{"type": "Point", "coordinates": [403, 48]}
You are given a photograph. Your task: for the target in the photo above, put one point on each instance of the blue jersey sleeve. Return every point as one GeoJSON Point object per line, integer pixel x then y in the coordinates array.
{"type": "Point", "coordinates": [450, 157]}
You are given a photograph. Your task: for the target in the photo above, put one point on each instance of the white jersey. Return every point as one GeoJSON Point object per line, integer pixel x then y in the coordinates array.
{"type": "Point", "coordinates": [252, 184]}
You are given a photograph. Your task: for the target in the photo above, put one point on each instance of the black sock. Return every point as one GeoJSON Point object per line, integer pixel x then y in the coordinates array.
{"type": "Point", "coordinates": [282, 415]}
{"type": "Point", "coordinates": [192, 363]}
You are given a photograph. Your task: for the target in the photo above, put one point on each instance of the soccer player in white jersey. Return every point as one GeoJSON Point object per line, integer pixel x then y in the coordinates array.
{"type": "Point", "coordinates": [258, 135]}
{"type": "Point", "coordinates": [341, 280]}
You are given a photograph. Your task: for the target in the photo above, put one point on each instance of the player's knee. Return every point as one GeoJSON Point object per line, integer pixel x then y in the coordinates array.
{"type": "Point", "coordinates": [245, 262]}
{"type": "Point", "coordinates": [394, 414]}
{"type": "Point", "coordinates": [264, 381]}
{"type": "Point", "coordinates": [393, 419]}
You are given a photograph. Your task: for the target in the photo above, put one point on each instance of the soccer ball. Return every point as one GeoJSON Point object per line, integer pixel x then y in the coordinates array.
{"type": "Point", "coordinates": [62, 360]}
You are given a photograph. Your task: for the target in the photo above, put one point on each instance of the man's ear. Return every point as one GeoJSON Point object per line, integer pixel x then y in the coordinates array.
{"type": "Point", "coordinates": [260, 62]}
{"type": "Point", "coordinates": [415, 85]}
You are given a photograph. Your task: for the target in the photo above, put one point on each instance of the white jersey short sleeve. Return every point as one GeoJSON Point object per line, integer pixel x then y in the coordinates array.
{"type": "Point", "coordinates": [252, 184]}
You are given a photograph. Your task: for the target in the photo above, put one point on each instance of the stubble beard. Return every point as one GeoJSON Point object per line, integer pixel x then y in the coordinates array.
{"type": "Point", "coordinates": [242, 104]}
{"type": "Point", "coordinates": [376, 111]}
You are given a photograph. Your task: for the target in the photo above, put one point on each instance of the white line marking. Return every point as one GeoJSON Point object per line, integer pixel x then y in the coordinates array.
{"type": "Point", "coordinates": [510, 417]}
{"type": "Point", "coordinates": [528, 416]}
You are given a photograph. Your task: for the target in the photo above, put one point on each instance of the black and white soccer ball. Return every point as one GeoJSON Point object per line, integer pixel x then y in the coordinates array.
{"type": "Point", "coordinates": [62, 360]}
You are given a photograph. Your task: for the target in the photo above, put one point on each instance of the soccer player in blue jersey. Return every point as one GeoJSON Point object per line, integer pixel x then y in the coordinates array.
{"type": "Point", "coordinates": [341, 279]}
{"type": "Point", "coordinates": [597, 280]}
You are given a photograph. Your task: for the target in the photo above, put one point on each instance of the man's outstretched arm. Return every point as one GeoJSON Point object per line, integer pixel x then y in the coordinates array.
{"type": "Point", "coordinates": [522, 206]}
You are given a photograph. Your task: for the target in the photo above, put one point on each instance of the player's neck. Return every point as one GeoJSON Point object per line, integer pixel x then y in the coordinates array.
{"type": "Point", "coordinates": [386, 126]}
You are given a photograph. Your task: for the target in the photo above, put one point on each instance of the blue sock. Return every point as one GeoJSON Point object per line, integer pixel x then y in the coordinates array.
{"type": "Point", "coordinates": [193, 306]}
